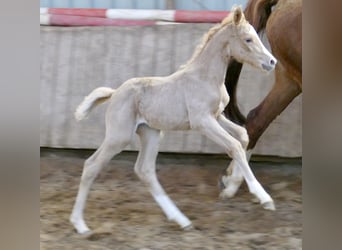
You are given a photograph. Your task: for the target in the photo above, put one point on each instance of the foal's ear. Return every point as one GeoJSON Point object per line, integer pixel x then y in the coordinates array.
{"type": "Point", "coordinates": [238, 14]}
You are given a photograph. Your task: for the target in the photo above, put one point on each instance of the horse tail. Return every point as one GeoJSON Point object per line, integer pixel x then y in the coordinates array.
{"type": "Point", "coordinates": [97, 96]}
{"type": "Point", "coordinates": [257, 13]}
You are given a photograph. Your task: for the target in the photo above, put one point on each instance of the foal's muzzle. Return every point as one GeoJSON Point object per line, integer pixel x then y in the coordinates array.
{"type": "Point", "coordinates": [270, 65]}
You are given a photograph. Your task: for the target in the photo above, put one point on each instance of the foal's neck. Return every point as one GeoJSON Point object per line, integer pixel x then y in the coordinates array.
{"type": "Point", "coordinates": [211, 63]}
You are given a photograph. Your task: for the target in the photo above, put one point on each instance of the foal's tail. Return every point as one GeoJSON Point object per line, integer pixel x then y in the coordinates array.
{"type": "Point", "coordinates": [257, 13]}
{"type": "Point", "coordinates": [97, 96]}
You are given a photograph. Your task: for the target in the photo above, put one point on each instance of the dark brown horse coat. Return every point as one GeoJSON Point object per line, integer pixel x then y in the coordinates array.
{"type": "Point", "coordinates": [282, 21]}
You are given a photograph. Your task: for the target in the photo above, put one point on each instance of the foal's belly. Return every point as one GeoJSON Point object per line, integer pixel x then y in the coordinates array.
{"type": "Point", "coordinates": [165, 118]}
{"type": "Point", "coordinates": [162, 105]}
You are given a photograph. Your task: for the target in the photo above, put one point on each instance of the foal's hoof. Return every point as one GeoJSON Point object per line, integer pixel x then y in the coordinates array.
{"type": "Point", "coordinates": [80, 226]}
{"type": "Point", "coordinates": [231, 186]}
{"type": "Point", "coordinates": [229, 191]}
{"type": "Point", "coordinates": [226, 194]}
{"type": "Point", "coordinates": [86, 234]}
{"type": "Point", "coordinates": [224, 181]}
{"type": "Point", "coordinates": [188, 227]}
{"type": "Point", "coordinates": [220, 183]}
{"type": "Point", "coordinates": [269, 205]}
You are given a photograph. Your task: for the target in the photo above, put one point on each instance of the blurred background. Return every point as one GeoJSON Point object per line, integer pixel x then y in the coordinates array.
{"type": "Point", "coordinates": [145, 4]}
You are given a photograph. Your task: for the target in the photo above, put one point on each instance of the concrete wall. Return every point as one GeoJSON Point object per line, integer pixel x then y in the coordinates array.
{"type": "Point", "coordinates": [75, 60]}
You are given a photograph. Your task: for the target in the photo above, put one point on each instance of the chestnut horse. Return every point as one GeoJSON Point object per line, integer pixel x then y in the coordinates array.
{"type": "Point", "coordinates": [281, 19]}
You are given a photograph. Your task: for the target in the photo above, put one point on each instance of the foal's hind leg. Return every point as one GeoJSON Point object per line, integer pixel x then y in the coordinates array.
{"type": "Point", "coordinates": [92, 167]}
{"type": "Point", "coordinates": [210, 127]}
{"type": "Point", "coordinates": [145, 169]}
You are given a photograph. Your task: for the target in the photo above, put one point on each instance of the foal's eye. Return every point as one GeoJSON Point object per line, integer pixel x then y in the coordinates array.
{"type": "Point", "coordinates": [249, 40]}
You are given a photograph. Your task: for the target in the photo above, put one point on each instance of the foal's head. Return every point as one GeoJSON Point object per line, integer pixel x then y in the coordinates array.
{"type": "Point", "coordinates": [245, 45]}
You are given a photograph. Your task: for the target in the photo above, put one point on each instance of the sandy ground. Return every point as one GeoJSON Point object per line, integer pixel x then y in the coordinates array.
{"type": "Point", "coordinates": [123, 215]}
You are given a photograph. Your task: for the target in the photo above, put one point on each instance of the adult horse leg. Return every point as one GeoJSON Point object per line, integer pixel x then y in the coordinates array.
{"type": "Point", "coordinates": [145, 168]}
{"type": "Point", "coordinates": [210, 127]}
{"type": "Point", "coordinates": [284, 90]}
{"type": "Point", "coordinates": [113, 144]}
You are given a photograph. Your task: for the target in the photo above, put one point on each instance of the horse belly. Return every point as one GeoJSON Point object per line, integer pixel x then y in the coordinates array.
{"type": "Point", "coordinates": [166, 119]}
{"type": "Point", "coordinates": [164, 112]}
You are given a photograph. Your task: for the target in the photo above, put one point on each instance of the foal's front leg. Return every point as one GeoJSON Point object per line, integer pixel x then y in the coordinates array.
{"type": "Point", "coordinates": [234, 178]}
{"type": "Point", "coordinates": [210, 127]}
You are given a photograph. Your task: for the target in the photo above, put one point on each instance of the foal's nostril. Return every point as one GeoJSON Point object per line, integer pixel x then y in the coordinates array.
{"type": "Point", "coordinates": [272, 62]}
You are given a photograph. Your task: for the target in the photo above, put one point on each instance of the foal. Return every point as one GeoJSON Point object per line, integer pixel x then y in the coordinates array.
{"type": "Point", "coordinates": [194, 98]}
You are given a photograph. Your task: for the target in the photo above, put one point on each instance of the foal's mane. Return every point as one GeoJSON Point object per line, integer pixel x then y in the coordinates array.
{"type": "Point", "coordinates": [207, 37]}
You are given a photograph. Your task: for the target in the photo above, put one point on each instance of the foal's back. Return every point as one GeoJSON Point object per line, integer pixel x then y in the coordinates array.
{"type": "Point", "coordinates": [156, 101]}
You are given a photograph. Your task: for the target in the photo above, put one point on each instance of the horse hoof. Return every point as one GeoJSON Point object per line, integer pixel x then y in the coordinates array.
{"type": "Point", "coordinates": [224, 180]}
{"type": "Point", "coordinates": [86, 234]}
{"type": "Point", "coordinates": [188, 227]}
{"type": "Point", "coordinates": [226, 194]}
{"type": "Point", "coordinates": [269, 205]}
{"type": "Point", "coordinates": [220, 184]}
{"type": "Point", "coordinates": [79, 226]}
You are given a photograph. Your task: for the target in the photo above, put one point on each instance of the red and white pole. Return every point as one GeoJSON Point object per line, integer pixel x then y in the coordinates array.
{"type": "Point", "coordinates": [98, 17]}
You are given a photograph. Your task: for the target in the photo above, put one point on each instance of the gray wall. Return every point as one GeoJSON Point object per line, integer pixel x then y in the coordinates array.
{"type": "Point", "coordinates": [75, 60]}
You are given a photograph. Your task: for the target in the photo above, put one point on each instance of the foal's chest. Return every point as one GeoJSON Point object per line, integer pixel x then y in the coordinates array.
{"type": "Point", "coordinates": [208, 99]}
